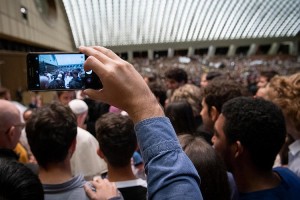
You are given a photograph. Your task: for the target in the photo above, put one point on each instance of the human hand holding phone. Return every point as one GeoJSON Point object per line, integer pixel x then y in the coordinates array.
{"type": "Point", "coordinates": [123, 86]}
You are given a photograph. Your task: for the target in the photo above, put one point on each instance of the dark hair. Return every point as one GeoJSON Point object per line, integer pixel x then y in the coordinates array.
{"type": "Point", "coordinates": [219, 91]}
{"type": "Point", "coordinates": [181, 116]}
{"type": "Point", "coordinates": [3, 92]}
{"type": "Point", "coordinates": [268, 74]}
{"type": "Point", "coordinates": [210, 167]}
{"type": "Point", "coordinates": [260, 127]}
{"type": "Point", "coordinates": [211, 75]}
{"type": "Point", "coordinates": [50, 132]}
{"type": "Point", "coordinates": [159, 91]}
{"type": "Point", "coordinates": [116, 137]}
{"type": "Point", "coordinates": [19, 182]}
{"type": "Point", "coordinates": [59, 93]}
{"type": "Point", "coordinates": [177, 74]}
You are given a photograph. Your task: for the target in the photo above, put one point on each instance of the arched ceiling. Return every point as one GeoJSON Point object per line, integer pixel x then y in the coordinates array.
{"type": "Point", "coordinates": [137, 22]}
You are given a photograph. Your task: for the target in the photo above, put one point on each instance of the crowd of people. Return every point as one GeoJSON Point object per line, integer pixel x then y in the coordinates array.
{"type": "Point", "coordinates": [157, 135]}
{"type": "Point", "coordinates": [62, 78]}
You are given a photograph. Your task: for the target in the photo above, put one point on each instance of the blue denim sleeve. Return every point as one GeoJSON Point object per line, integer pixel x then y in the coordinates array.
{"type": "Point", "coordinates": [170, 173]}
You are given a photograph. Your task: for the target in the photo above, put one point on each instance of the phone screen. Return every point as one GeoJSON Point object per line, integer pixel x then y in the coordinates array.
{"type": "Point", "coordinates": [59, 71]}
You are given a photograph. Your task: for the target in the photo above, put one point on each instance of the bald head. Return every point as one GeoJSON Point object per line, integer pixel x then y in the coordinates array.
{"type": "Point", "coordinates": [9, 115]}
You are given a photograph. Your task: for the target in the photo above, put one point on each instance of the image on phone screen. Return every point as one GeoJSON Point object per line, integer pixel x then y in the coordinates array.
{"type": "Point", "coordinates": [58, 71]}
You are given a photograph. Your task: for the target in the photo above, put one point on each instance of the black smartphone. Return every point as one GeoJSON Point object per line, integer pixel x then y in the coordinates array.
{"type": "Point", "coordinates": [59, 71]}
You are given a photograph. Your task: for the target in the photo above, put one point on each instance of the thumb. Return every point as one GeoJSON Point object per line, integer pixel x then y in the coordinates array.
{"type": "Point", "coordinates": [91, 194]}
{"type": "Point", "coordinates": [94, 94]}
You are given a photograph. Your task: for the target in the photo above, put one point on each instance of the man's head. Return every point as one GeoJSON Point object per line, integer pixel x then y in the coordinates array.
{"type": "Point", "coordinates": [249, 131]}
{"type": "Point", "coordinates": [19, 182]}
{"type": "Point", "coordinates": [214, 95]}
{"type": "Point", "coordinates": [51, 133]}
{"type": "Point", "coordinates": [117, 139]}
{"type": "Point", "coordinates": [175, 78]}
{"type": "Point", "coordinates": [5, 93]}
{"type": "Point", "coordinates": [10, 125]}
{"type": "Point", "coordinates": [80, 109]}
{"type": "Point", "coordinates": [65, 97]}
{"type": "Point", "coordinates": [265, 77]}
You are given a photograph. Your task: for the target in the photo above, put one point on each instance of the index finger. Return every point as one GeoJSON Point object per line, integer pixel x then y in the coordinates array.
{"type": "Point", "coordinates": [91, 194]}
{"type": "Point", "coordinates": [109, 53]}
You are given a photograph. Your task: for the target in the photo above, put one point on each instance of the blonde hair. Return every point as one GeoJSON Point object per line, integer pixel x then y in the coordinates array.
{"type": "Point", "coordinates": [190, 93]}
{"type": "Point", "coordinates": [284, 91]}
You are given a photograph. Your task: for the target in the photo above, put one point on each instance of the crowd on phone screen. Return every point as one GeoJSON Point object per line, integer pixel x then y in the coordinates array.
{"type": "Point", "coordinates": [236, 127]}
{"type": "Point", "coordinates": [62, 78]}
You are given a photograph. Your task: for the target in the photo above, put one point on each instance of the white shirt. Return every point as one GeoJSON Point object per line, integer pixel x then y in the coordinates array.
{"type": "Point", "coordinates": [85, 159]}
{"type": "Point", "coordinates": [294, 157]}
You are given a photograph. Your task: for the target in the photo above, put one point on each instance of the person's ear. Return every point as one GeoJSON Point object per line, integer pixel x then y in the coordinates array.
{"type": "Point", "coordinates": [73, 146]}
{"type": "Point", "coordinates": [100, 153]}
{"type": "Point", "coordinates": [237, 149]}
{"type": "Point", "coordinates": [214, 114]}
{"type": "Point", "coordinates": [11, 133]}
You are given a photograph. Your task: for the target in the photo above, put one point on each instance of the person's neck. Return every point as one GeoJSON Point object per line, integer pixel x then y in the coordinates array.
{"type": "Point", "coordinates": [116, 174]}
{"type": "Point", "coordinates": [55, 173]}
{"type": "Point", "coordinates": [251, 180]}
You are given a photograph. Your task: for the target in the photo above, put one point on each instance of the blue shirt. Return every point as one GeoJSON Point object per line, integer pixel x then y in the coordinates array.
{"type": "Point", "coordinates": [170, 173]}
{"type": "Point", "coordinates": [288, 189]}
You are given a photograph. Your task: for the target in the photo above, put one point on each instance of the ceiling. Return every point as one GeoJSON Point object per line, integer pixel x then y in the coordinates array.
{"type": "Point", "coordinates": [138, 22]}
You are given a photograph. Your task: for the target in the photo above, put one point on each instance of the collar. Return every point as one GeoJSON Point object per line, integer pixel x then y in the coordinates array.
{"type": "Point", "coordinates": [294, 147]}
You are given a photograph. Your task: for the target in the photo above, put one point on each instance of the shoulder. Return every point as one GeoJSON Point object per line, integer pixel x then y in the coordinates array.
{"type": "Point", "coordinates": [288, 176]}
{"type": "Point", "coordinates": [84, 134]}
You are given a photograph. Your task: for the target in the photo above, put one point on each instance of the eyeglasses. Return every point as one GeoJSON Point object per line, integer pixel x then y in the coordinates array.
{"type": "Point", "coordinates": [21, 125]}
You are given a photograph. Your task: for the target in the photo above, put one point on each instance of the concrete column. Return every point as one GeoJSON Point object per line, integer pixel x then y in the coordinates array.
{"type": "Point", "coordinates": [252, 50]}
{"type": "Point", "coordinates": [170, 53]}
{"type": "Point", "coordinates": [274, 49]}
{"type": "Point", "coordinates": [191, 52]}
{"type": "Point", "coordinates": [130, 56]}
{"type": "Point", "coordinates": [211, 51]}
{"type": "Point", "coordinates": [150, 54]}
{"type": "Point", "coordinates": [293, 48]}
{"type": "Point", "coordinates": [231, 50]}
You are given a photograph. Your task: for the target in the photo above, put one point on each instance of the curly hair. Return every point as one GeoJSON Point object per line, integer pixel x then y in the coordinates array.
{"type": "Point", "coordinates": [284, 91]}
{"type": "Point", "coordinates": [190, 93]}
{"type": "Point", "coordinates": [259, 125]}
{"type": "Point", "coordinates": [221, 90]}
{"type": "Point", "coordinates": [177, 74]}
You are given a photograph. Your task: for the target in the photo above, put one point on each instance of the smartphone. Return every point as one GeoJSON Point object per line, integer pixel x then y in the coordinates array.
{"type": "Point", "coordinates": [59, 71]}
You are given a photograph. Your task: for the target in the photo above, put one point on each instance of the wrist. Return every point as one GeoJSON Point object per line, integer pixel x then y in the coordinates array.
{"type": "Point", "coordinates": [147, 109]}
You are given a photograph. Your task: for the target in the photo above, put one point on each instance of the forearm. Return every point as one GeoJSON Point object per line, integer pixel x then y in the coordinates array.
{"type": "Point", "coordinates": [171, 175]}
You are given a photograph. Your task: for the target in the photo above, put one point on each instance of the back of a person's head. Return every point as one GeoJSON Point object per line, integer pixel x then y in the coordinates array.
{"type": "Point", "coordinates": [4, 93]}
{"type": "Point", "coordinates": [117, 139]}
{"type": "Point", "coordinates": [181, 116]}
{"type": "Point", "coordinates": [259, 126]}
{"type": "Point", "coordinates": [177, 74]}
{"type": "Point", "coordinates": [218, 91]}
{"type": "Point", "coordinates": [190, 93]}
{"type": "Point", "coordinates": [212, 74]}
{"type": "Point", "coordinates": [284, 91]}
{"type": "Point", "coordinates": [159, 92]}
{"type": "Point", "coordinates": [50, 132]}
{"type": "Point", "coordinates": [269, 74]}
{"type": "Point", "coordinates": [211, 168]}
{"type": "Point", "coordinates": [18, 182]}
